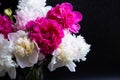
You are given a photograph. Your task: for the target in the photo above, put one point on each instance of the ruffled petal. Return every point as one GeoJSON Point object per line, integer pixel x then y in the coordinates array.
{"type": "Point", "coordinates": [12, 73]}
{"type": "Point", "coordinates": [74, 28]}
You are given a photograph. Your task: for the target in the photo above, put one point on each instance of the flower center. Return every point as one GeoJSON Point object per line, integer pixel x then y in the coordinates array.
{"type": "Point", "coordinates": [24, 47]}
{"type": "Point", "coordinates": [64, 55]}
{"type": "Point", "coordinates": [61, 55]}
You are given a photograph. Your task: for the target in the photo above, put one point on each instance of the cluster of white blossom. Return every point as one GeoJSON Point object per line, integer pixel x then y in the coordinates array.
{"type": "Point", "coordinates": [29, 10]}
{"type": "Point", "coordinates": [71, 49]}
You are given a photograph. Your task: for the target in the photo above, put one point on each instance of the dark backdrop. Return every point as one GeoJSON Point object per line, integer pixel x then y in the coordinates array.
{"type": "Point", "coordinates": [101, 28]}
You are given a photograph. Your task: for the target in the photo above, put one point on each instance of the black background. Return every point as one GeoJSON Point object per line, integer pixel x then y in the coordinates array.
{"type": "Point", "coordinates": [101, 28]}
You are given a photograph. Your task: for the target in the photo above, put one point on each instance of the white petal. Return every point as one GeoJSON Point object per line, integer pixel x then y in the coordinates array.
{"type": "Point", "coordinates": [71, 66]}
{"type": "Point", "coordinates": [12, 73]}
{"type": "Point", "coordinates": [21, 33]}
{"type": "Point", "coordinates": [51, 65]}
{"type": "Point", "coordinates": [33, 58]}
{"type": "Point", "coordinates": [23, 61]}
{"type": "Point", "coordinates": [6, 62]}
{"type": "Point", "coordinates": [12, 36]}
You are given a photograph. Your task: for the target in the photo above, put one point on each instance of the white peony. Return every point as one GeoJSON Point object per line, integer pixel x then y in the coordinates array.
{"type": "Point", "coordinates": [29, 10]}
{"type": "Point", "coordinates": [32, 4]}
{"type": "Point", "coordinates": [6, 62]}
{"type": "Point", "coordinates": [26, 51]}
{"type": "Point", "coordinates": [71, 49]}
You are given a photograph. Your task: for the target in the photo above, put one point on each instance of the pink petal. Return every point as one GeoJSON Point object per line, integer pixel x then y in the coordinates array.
{"type": "Point", "coordinates": [67, 6]}
{"type": "Point", "coordinates": [74, 28]}
{"type": "Point", "coordinates": [77, 16]}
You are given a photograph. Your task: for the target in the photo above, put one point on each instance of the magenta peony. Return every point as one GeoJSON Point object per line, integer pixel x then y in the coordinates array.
{"type": "Point", "coordinates": [66, 17]}
{"type": "Point", "coordinates": [46, 33]}
{"type": "Point", "coordinates": [5, 26]}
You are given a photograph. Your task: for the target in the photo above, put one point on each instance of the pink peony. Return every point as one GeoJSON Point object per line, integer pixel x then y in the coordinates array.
{"type": "Point", "coordinates": [5, 26]}
{"type": "Point", "coordinates": [66, 17]}
{"type": "Point", "coordinates": [46, 33]}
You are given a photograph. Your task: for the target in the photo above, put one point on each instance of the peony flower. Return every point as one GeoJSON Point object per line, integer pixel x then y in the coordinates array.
{"type": "Point", "coordinates": [6, 62]}
{"type": "Point", "coordinates": [29, 10]}
{"type": "Point", "coordinates": [71, 49]}
{"type": "Point", "coordinates": [46, 33]}
{"type": "Point", "coordinates": [25, 50]}
{"type": "Point", "coordinates": [66, 17]}
{"type": "Point", "coordinates": [5, 25]}
{"type": "Point", "coordinates": [34, 4]}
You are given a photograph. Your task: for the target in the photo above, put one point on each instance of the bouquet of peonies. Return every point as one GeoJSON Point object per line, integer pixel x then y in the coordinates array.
{"type": "Point", "coordinates": [40, 32]}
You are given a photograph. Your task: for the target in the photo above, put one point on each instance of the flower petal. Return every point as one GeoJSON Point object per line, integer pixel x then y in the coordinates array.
{"type": "Point", "coordinates": [71, 66]}
{"type": "Point", "coordinates": [23, 61]}
{"type": "Point", "coordinates": [12, 73]}
{"type": "Point", "coordinates": [74, 28]}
